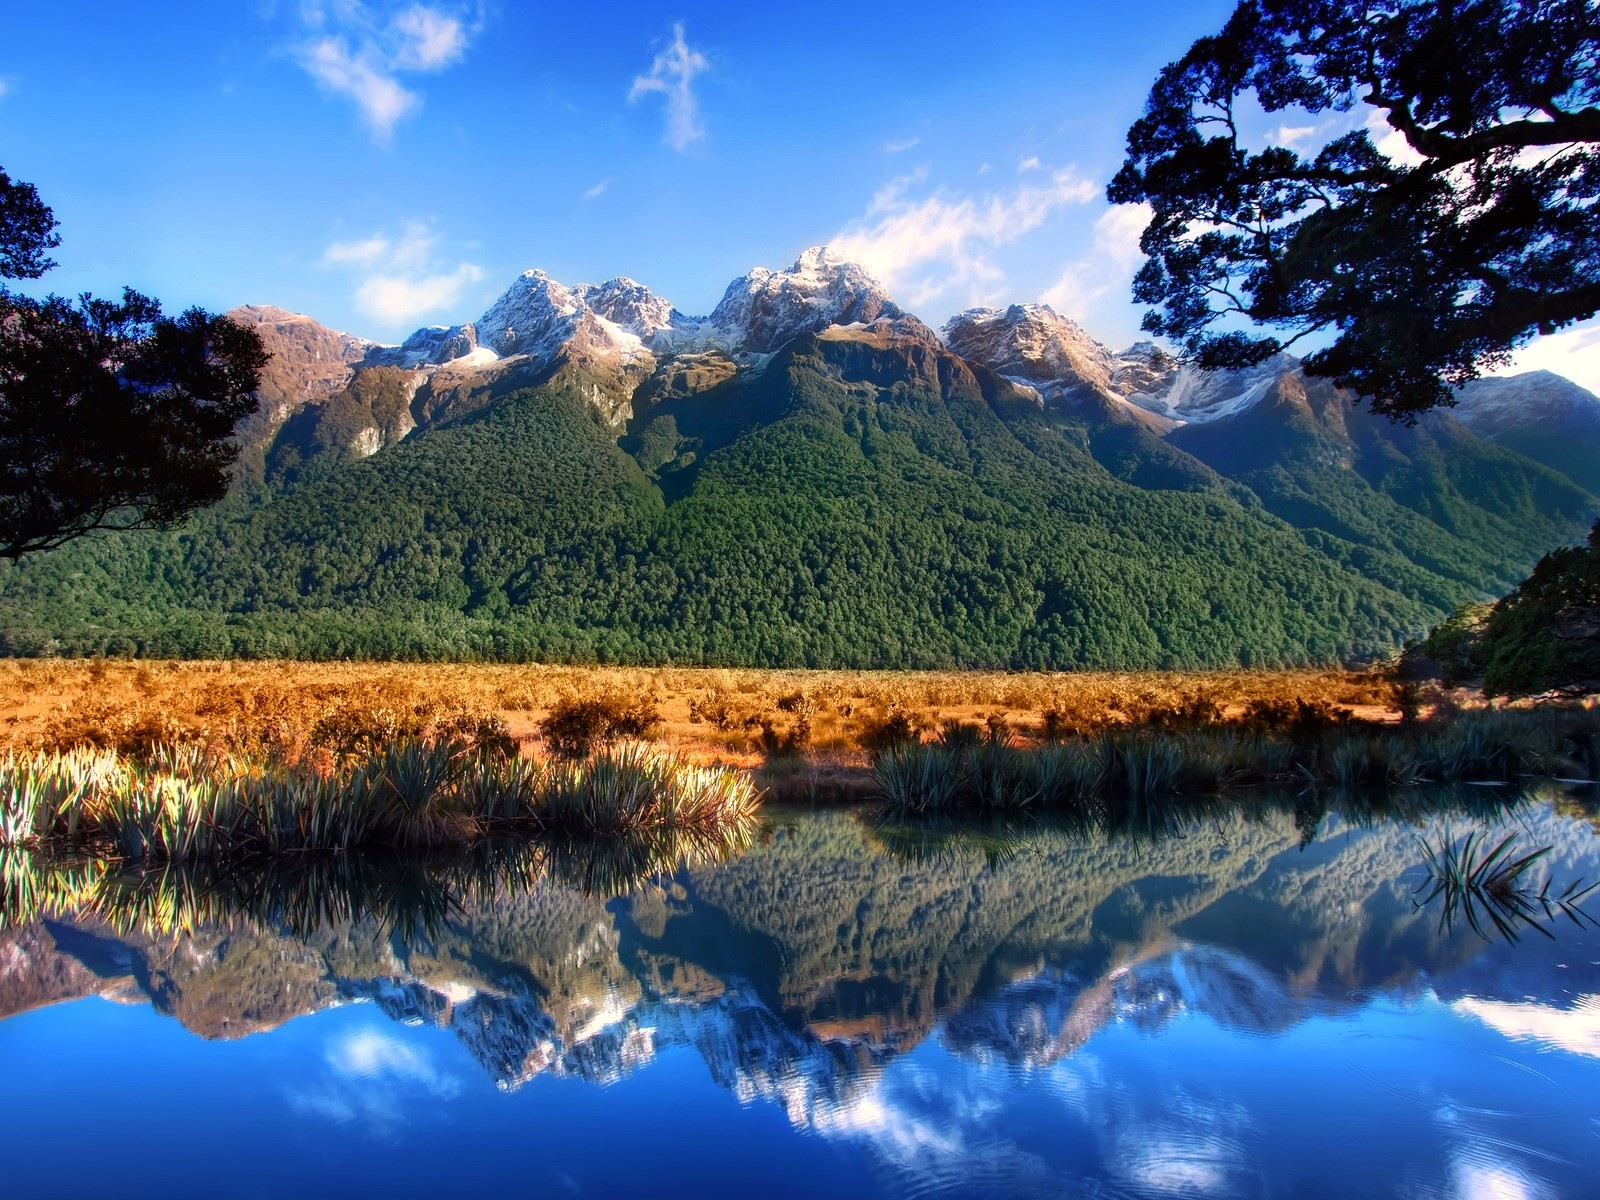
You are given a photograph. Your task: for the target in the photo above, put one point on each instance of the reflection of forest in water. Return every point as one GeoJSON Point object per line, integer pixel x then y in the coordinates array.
{"type": "Point", "coordinates": [832, 944]}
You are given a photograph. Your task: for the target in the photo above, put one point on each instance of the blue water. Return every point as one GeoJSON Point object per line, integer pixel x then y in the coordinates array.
{"type": "Point", "coordinates": [1225, 1013]}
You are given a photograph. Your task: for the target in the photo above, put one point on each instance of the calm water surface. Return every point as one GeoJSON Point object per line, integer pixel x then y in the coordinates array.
{"type": "Point", "coordinates": [1227, 1009]}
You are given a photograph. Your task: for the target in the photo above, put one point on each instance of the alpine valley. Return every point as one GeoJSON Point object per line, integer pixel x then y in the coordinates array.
{"type": "Point", "coordinates": [812, 476]}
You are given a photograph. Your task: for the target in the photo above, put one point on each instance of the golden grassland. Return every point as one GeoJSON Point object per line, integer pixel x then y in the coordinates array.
{"type": "Point", "coordinates": [710, 715]}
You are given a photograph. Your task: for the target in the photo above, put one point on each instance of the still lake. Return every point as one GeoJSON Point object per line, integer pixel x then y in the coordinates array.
{"type": "Point", "coordinates": [1246, 1003]}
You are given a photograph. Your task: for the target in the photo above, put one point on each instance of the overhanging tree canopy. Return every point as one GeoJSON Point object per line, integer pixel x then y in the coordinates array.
{"type": "Point", "coordinates": [112, 416]}
{"type": "Point", "coordinates": [1428, 265]}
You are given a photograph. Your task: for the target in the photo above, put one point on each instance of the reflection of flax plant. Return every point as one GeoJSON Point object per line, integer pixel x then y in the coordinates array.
{"type": "Point", "coordinates": [1474, 879]}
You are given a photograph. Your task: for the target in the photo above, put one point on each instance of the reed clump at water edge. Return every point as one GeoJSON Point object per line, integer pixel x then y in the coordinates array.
{"type": "Point", "coordinates": [185, 804]}
{"type": "Point", "coordinates": [968, 769]}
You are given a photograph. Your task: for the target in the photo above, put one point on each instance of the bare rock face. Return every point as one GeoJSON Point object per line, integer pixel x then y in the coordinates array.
{"type": "Point", "coordinates": [309, 362]}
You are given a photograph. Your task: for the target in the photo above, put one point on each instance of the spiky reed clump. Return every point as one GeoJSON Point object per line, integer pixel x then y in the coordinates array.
{"type": "Point", "coordinates": [184, 805]}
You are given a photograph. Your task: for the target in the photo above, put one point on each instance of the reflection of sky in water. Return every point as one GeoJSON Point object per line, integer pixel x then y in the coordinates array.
{"type": "Point", "coordinates": [1247, 1047]}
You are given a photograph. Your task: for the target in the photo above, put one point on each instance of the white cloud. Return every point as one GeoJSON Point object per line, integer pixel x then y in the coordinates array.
{"type": "Point", "coordinates": [403, 278]}
{"type": "Point", "coordinates": [367, 252]}
{"type": "Point", "coordinates": [900, 147]}
{"type": "Point", "coordinates": [1031, 163]}
{"type": "Point", "coordinates": [1293, 135]}
{"type": "Point", "coordinates": [1109, 266]}
{"type": "Point", "coordinates": [5, 86]}
{"type": "Point", "coordinates": [672, 74]}
{"type": "Point", "coordinates": [427, 40]}
{"type": "Point", "coordinates": [379, 96]}
{"type": "Point", "coordinates": [1574, 353]}
{"type": "Point", "coordinates": [1390, 142]}
{"type": "Point", "coordinates": [928, 245]}
{"type": "Point", "coordinates": [597, 190]}
{"type": "Point", "coordinates": [356, 51]}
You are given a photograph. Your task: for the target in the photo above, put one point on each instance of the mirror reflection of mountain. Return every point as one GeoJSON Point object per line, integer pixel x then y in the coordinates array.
{"type": "Point", "coordinates": [800, 968]}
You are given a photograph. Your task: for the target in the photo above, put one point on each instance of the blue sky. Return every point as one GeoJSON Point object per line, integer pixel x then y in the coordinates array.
{"type": "Point", "coordinates": [384, 165]}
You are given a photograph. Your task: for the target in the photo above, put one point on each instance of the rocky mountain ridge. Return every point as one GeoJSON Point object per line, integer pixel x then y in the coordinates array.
{"type": "Point", "coordinates": [630, 342]}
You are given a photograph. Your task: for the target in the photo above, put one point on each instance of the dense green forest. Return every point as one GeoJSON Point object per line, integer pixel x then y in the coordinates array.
{"type": "Point", "coordinates": [852, 503]}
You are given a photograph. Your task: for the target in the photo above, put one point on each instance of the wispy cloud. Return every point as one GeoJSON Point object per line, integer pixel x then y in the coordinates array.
{"type": "Point", "coordinates": [5, 86]}
{"type": "Point", "coordinates": [403, 278]}
{"type": "Point", "coordinates": [672, 74]}
{"type": "Point", "coordinates": [1031, 163]}
{"type": "Point", "coordinates": [1109, 266]}
{"type": "Point", "coordinates": [901, 146]}
{"type": "Point", "coordinates": [358, 51]}
{"type": "Point", "coordinates": [925, 245]}
{"type": "Point", "coordinates": [597, 190]}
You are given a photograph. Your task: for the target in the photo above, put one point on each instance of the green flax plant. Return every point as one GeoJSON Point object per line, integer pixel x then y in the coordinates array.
{"type": "Point", "coordinates": [183, 804]}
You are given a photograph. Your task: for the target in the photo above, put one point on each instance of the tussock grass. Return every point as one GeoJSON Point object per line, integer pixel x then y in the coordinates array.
{"type": "Point", "coordinates": [345, 710]}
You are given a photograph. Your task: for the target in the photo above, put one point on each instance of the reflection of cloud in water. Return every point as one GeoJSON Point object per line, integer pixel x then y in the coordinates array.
{"type": "Point", "coordinates": [1494, 1181]}
{"type": "Point", "coordinates": [370, 1074]}
{"type": "Point", "coordinates": [1575, 1030]}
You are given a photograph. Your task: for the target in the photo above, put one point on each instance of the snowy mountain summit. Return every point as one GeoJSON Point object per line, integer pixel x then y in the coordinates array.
{"type": "Point", "coordinates": [764, 309]}
{"type": "Point", "coordinates": [537, 316]}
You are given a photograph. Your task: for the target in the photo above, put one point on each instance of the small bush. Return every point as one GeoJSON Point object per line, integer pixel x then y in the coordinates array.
{"type": "Point", "coordinates": [575, 727]}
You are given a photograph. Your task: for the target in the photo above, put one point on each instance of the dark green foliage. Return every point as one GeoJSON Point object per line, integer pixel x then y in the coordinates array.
{"type": "Point", "coordinates": [853, 504]}
{"type": "Point", "coordinates": [1545, 636]}
{"type": "Point", "coordinates": [112, 416]}
{"type": "Point", "coordinates": [374, 406]}
{"type": "Point", "coordinates": [1454, 647]}
{"type": "Point", "coordinates": [27, 230]}
{"type": "Point", "coordinates": [1427, 270]}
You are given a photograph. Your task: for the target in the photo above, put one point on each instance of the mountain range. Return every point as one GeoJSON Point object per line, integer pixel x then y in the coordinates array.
{"type": "Point", "coordinates": [810, 475]}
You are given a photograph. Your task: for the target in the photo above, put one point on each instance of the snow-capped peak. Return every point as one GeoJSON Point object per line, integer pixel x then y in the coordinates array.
{"type": "Point", "coordinates": [1034, 344]}
{"type": "Point", "coordinates": [631, 305]}
{"type": "Point", "coordinates": [763, 309]}
{"type": "Point", "coordinates": [536, 315]}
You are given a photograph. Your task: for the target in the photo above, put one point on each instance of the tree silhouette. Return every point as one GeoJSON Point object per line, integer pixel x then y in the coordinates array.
{"type": "Point", "coordinates": [112, 416]}
{"type": "Point", "coordinates": [1431, 261]}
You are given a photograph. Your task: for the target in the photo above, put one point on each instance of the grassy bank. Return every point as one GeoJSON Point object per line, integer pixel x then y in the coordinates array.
{"type": "Point", "coordinates": [965, 769]}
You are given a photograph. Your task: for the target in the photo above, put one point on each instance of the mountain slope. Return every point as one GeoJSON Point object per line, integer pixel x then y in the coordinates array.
{"type": "Point", "coordinates": [1541, 415]}
{"type": "Point", "coordinates": [1436, 511]}
{"type": "Point", "coordinates": [809, 475]}
{"type": "Point", "coordinates": [866, 498]}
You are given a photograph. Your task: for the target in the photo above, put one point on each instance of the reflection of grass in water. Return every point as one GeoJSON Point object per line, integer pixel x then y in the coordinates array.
{"type": "Point", "coordinates": [1476, 881]}
{"type": "Point", "coordinates": [36, 885]}
{"type": "Point", "coordinates": [410, 893]}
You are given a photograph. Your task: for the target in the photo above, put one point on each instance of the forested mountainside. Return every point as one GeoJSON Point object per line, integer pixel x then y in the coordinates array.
{"type": "Point", "coordinates": [809, 476]}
